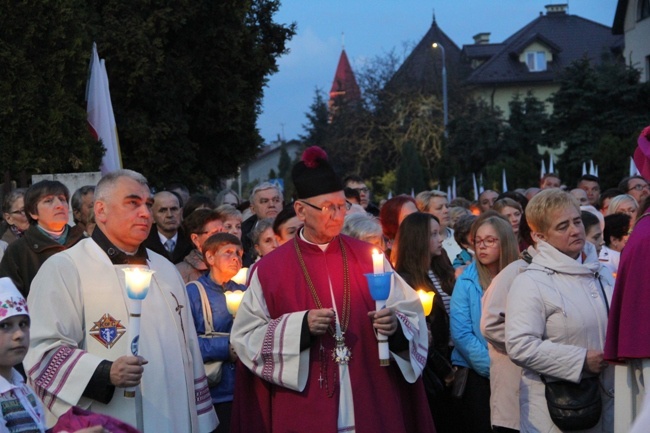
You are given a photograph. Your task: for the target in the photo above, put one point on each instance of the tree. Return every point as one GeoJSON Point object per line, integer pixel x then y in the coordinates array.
{"type": "Point", "coordinates": [597, 111]}
{"type": "Point", "coordinates": [187, 82]}
{"type": "Point", "coordinates": [44, 55]}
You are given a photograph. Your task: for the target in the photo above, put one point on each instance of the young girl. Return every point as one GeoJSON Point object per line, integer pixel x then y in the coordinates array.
{"type": "Point", "coordinates": [495, 247]}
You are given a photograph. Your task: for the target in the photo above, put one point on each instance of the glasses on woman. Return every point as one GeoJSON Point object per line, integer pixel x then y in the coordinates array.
{"type": "Point", "coordinates": [488, 242]}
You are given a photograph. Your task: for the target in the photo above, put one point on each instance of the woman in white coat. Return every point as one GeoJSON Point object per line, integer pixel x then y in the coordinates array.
{"type": "Point", "coordinates": [557, 312]}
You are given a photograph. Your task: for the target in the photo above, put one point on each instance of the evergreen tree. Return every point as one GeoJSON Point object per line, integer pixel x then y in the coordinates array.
{"type": "Point", "coordinates": [44, 57]}
{"type": "Point", "coordinates": [410, 174]}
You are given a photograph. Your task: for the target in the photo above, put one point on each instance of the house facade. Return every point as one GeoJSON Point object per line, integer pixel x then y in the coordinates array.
{"type": "Point", "coordinates": [632, 20]}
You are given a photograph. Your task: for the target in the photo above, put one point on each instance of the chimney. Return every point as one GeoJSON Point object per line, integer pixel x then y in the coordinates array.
{"type": "Point", "coordinates": [482, 38]}
{"type": "Point", "coordinates": [556, 9]}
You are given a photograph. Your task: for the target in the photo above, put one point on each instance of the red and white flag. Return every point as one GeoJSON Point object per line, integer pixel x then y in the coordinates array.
{"type": "Point", "coordinates": [100, 114]}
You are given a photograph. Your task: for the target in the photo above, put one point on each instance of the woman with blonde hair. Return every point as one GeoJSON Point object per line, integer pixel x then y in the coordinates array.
{"type": "Point", "coordinates": [623, 203]}
{"type": "Point", "coordinates": [436, 204]}
{"type": "Point", "coordinates": [556, 315]}
{"type": "Point", "coordinates": [495, 248]}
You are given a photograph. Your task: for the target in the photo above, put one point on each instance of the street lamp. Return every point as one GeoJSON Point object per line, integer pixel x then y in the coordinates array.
{"type": "Point", "coordinates": [444, 85]}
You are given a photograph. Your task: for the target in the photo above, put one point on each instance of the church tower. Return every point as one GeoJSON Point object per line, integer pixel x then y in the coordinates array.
{"type": "Point", "coordinates": [345, 89]}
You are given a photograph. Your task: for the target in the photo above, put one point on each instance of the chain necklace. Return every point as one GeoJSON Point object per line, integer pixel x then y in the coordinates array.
{"type": "Point", "coordinates": [341, 353]}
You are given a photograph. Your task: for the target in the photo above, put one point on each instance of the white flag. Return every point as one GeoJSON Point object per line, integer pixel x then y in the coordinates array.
{"type": "Point", "coordinates": [100, 114]}
{"type": "Point", "coordinates": [505, 185]}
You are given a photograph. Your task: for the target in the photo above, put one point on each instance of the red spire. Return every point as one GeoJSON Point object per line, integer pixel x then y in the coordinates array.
{"type": "Point", "coordinates": [344, 85]}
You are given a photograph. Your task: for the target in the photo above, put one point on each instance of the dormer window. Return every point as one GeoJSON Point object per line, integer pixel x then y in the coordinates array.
{"type": "Point", "coordinates": [536, 61]}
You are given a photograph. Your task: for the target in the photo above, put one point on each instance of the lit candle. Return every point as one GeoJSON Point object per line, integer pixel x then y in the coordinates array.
{"type": "Point", "coordinates": [233, 299]}
{"type": "Point", "coordinates": [240, 278]}
{"type": "Point", "coordinates": [427, 301]}
{"type": "Point", "coordinates": [377, 262]}
{"type": "Point", "coordinates": [137, 281]}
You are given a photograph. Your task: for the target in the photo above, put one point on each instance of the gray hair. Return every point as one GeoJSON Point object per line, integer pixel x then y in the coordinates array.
{"type": "Point", "coordinates": [263, 187]}
{"type": "Point", "coordinates": [75, 201]}
{"type": "Point", "coordinates": [11, 198]}
{"type": "Point", "coordinates": [107, 183]}
{"type": "Point", "coordinates": [361, 226]}
{"type": "Point", "coordinates": [228, 211]}
{"type": "Point", "coordinates": [423, 199]}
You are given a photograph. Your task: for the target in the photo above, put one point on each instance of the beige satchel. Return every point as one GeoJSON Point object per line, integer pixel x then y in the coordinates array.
{"type": "Point", "coordinates": [212, 368]}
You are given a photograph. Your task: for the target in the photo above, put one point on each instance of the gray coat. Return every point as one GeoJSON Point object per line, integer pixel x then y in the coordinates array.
{"type": "Point", "coordinates": [556, 311]}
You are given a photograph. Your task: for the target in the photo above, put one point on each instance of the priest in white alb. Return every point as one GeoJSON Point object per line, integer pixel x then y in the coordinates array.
{"type": "Point", "coordinates": [305, 330]}
{"type": "Point", "coordinates": [80, 322]}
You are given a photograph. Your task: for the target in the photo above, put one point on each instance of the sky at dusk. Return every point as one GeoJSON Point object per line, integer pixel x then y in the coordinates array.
{"type": "Point", "coordinates": [373, 28]}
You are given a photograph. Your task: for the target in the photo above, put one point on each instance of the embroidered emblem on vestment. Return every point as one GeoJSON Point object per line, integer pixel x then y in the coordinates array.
{"type": "Point", "coordinates": [107, 330]}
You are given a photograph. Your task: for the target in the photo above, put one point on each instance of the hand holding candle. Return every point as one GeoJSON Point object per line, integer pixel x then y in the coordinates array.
{"type": "Point", "coordinates": [427, 300]}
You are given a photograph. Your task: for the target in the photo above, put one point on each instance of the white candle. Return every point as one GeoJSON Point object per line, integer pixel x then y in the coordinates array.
{"type": "Point", "coordinates": [233, 299]}
{"type": "Point", "coordinates": [427, 301]}
{"type": "Point", "coordinates": [240, 278]}
{"type": "Point", "coordinates": [377, 262]}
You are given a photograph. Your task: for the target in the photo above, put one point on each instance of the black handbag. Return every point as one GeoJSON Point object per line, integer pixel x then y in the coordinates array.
{"type": "Point", "coordinates": [574, 406]}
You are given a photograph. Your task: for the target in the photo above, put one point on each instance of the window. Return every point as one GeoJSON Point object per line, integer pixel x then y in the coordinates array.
{"type": "Point", "coordinates": [536, 61]}
{"type": "Point", "coordinates": [643, 10]}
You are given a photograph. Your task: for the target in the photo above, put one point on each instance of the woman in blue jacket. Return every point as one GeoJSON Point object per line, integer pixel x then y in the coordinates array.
{"type": "Point", "coordinates": [222, 253]}
{"type": "Point", "coordinates": [495, 246]}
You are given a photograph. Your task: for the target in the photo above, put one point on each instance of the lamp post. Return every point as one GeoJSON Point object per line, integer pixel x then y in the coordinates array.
{"type": "Point", "coordinates": [444, 84]}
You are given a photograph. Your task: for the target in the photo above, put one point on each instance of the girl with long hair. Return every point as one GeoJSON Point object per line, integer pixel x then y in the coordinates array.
{"type": "Point", "coordinates": [496, 247]}
{"type": "Point", "coordinates": [418, 256]}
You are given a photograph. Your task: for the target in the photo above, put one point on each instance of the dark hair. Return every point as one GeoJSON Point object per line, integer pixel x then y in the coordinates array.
{"type": "Point", "coordinates": [623, 184]}
{"type": "Point", "coordinates": [589, 220]}
{"type": "Point", "coordinates": [217, 240]}
{"type": "Point", "coordinates": [460, 202]}
{"type": "Point", "coordinates": [616, 226]}
{"type": "Point", "coordinates": [410, 253]}
{"type": "Point", "coordinates": [352, 193]}
{"type": "Point", "coordinates": [462, 228]}
{"type": "Point", "coordinates": [608, 194]}
{"type": "Point", "coordinates": [353, 178]}
{"type": "Point", "coordinates": [389, 214]}
{"type": "Point", "coordinates": [588, 177]}
{"type": "Point", "coordinates": [198, 219]}
{"type": "Point", "coordinates": [514, 195]}
{"type": "Point", "coordinates": [197, 201]}
{"type": "Point", "coordinates": [11, 197]}
{"type": "Point", "coordinates": [546, 176]}
{"type": "Point", "coordinates": [282, 217]}
{"type": "Point", "coordinates": [37, 191]}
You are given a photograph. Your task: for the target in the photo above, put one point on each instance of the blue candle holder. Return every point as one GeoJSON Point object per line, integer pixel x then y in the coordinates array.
{"type": "Point", "coordinates": [379, 285]}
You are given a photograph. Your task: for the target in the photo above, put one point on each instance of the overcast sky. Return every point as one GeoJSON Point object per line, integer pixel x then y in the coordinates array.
{"type": "Point", "coordinates": [375, 27]}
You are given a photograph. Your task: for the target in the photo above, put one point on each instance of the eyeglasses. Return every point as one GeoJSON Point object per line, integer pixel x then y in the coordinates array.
{"type": "Point", "coordinates": [363, 190]}
{"type": "Point", "coordinates": [330, 209]}
{"type": "Point", "coordinates": [488, 242]}
{"type": "Point", "coordinates": [18, 212]}
{"type": "Point", "coordinates": [640, 187]}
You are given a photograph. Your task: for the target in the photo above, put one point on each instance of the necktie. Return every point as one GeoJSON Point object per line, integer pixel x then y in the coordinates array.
{"type": "Point", "coordinates": [169, 245]}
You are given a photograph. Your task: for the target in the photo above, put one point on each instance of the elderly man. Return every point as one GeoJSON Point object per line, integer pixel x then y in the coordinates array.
{"type": "Point", "coordinates": [308, 333]}
{"type": "Point", "coordinates": [78, 352]}
{"type": "Point", "coordinates": [167, 238]}
{"type": "Point", "coordinates": [82, 203]}
{"type": "Point", "coordinates": [266, 202]}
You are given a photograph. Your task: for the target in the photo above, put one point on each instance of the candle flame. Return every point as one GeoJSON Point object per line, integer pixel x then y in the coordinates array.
{"type": "Point", "coordinates": [427, 300]}
{"type": "Point", "coordinates": [233, 299]}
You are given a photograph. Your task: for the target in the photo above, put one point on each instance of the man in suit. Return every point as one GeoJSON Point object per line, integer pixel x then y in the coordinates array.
{"type": "Point", "coordinates": [166, 236]}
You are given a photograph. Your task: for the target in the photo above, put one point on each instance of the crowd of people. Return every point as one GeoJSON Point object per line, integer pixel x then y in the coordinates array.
{"type": "Point", "coordinates": [524, 285]}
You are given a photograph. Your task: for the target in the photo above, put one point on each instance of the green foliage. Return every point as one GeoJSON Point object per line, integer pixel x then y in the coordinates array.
{"type": "Point", "coordinates": [42, 83]}
{"type": "Point", "coordinates": [186, 83]}
{"type": "Point", "coordinates": [410, 174]}
{"type": "Point", "coordinates": [598, 112]}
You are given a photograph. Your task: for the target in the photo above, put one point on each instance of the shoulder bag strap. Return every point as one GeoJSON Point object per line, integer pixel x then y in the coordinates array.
{"type": "Point", "coordinates": [205, 305]}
